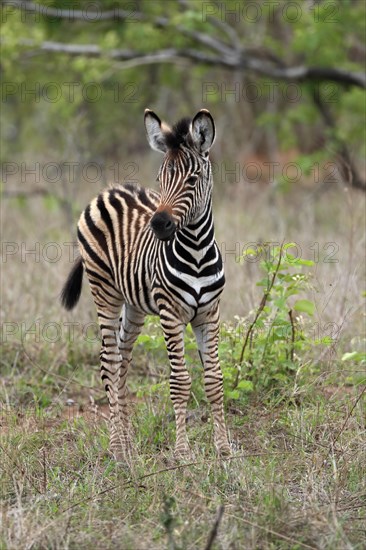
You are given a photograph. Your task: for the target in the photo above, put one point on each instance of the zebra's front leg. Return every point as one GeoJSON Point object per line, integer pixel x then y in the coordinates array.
{"type": "Point", "coordinates": [180, 381]}
{"type": "Point", "coordinates": [132, 321]}
{"type": "Point", "coordinates": [207, 335]}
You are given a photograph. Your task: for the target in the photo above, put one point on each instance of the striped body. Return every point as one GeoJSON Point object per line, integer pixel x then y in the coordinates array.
{"type": "Point", "coordinates": [155, 253]}
{"type": "Point", "coordinates": [116, 244]}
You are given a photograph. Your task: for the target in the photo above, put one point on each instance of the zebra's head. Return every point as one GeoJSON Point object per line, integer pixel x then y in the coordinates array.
{"type": "Point", "coordinates": [185, 174]}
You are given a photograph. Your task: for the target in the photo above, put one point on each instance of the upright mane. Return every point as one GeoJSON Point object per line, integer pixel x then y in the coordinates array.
{"type": "Point", "coordinates": [176, 136]}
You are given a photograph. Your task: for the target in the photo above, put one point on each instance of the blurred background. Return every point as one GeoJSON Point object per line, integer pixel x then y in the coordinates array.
{"type": "Point", "coordinates": [285, 84]}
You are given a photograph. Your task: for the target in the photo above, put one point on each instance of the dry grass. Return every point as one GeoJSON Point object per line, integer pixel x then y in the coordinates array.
{"type": "Point", "coordinates": [297, 477]}
{"type": "Point", "coordinates": [290, 485]}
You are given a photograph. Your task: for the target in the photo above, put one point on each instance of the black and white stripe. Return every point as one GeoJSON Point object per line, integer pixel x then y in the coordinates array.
{"type": "Point", "coordinates": [155, 253]}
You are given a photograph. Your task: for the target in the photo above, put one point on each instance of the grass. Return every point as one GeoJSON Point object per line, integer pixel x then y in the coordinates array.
{"type": "Point", "coordinates": [296, 478]}
{"type": "Point", "coordinates": [297, 475]}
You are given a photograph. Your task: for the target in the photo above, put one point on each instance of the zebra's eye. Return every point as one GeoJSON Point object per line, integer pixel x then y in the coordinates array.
{"type": "Point", "coordinates": [191, 180]}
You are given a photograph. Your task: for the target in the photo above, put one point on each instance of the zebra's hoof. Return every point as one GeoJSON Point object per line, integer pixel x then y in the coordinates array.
{"type": "Point", "coordinates": [183, 454]}
{"type": "Point", "coordinates": [122, 455]}
{"type": "Point", "coordinates": [224, 451]}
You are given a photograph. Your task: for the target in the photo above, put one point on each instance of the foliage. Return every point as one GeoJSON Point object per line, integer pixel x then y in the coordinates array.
{"type": "Point", "coordinates": [267, 353]}
{"type": "Point", "coordinates": [83, 106]}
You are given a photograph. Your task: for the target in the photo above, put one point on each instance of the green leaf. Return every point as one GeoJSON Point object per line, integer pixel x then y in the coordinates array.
{"type": "Point", "coordinates": [305, 306]}
{"type": "Point", "coordinates": [245, 385]}
{"type": "Point", "coordinates": [234, 394]}
{"type": "Point", "coordinates": [354, 355]}
{"type": "Point", "coordinates": [327, 340]}
{"type": "Point", "coordinates": [280, 302]}
{"type": "Point", "coordinates": [301, 261]}
{"type": "Point", "coordinates": [289, 245]}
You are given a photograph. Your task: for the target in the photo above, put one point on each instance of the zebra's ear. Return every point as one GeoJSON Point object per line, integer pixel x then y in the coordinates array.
{"type": "Point", "coordinates": [203, 131]}
{"type": "Point", "coordinates": [154, 132]}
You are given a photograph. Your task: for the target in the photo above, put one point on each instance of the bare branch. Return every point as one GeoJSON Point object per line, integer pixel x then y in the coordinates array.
{"type": "Point", "coordinates": [227, 29]}
{"type": "Point", "coordinates": [348, 168]}
{"type": "Point", "coordinates": [232, 61]}
{"type": "Point", "coordinates": [71, 14]}
{"type": "Point", "coordinates": [206, 40]}
{"type": "Point", "coordinates": [301, 73]}
{"type": "Point", "coordinates": [169, 55]}
{"type": "Point", "coordinates": [231, 57]}
{"type": "Point", "coordinates": [91, 16]}
{"type": "Point", "coordinates": [218, 23]}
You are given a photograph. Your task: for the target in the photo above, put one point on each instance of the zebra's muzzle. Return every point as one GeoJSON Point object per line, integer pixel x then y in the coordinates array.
{"type": "Point", "coordinates": [163, 225]}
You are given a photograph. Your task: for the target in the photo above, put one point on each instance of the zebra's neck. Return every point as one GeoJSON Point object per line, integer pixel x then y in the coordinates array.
{"type": "Point", "coordinates": [202, 228]}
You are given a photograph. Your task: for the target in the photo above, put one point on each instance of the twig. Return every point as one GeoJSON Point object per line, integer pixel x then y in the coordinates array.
{"type": "Point", "coordinates": [259, 311]}
{"type": "Point", "coordinates": [135, 482]}
{"type": "Point", "coordinates": [272, 532]}
{"type": "Point", "coordinates": [292, 349]}
{"type": "Point", "coordinates": [44, 469]}
{"type": "Point", "coordinates": [349, 415]}
{"type": "Point", "coordinates": [335, 439]}
{"type": "Point", "coordinates": [20, 468]}
{"type": "Point", "coordinates": [215, 527]}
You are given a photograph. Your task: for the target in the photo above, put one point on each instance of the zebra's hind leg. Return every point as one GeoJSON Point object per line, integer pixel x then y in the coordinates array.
{"type": "Point", "coordinates": [132, 321]}
{"type": "Point", "coordinates": [180, 380]}
{"type": "Point", "coordinates": [207, 334]}
{"type": "Point", "coordinates": [110, 365]}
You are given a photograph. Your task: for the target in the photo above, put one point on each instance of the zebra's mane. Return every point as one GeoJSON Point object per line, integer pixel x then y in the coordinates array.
{"type": "Point", "coordinates": [177, 135]}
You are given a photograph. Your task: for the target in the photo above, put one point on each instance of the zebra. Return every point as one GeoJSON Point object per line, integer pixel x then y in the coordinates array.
{"type": "Point", "coordinates": [148, 252]}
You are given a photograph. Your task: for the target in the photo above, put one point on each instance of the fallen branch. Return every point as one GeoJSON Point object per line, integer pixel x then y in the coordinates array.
{"type": "Point", "coordinates": [276, 533]}
{"type": "Point", "coordinates": [215, 527]}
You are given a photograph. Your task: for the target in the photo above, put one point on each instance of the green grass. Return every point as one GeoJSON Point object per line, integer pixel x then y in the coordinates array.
{"type": "Point", "coordinates": [296, 478]}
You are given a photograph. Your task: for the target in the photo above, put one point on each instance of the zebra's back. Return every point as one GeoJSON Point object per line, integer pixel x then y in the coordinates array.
{"type": "Point", "coordinates": [112, 232]}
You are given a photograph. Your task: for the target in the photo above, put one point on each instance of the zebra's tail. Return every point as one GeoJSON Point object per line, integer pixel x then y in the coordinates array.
{"type": "Point", "coordinates": [71, 291]}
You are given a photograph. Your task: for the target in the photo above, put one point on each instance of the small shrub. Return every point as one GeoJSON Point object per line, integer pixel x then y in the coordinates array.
{"type": "Point", "coordinates": [266, 353]}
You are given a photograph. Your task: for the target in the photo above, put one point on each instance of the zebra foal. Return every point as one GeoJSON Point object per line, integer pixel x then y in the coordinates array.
{"type": "Point", "coordinates": [146, 252]}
